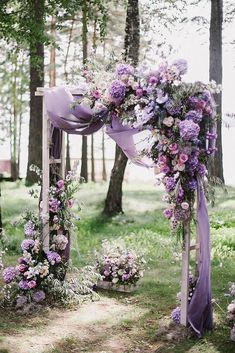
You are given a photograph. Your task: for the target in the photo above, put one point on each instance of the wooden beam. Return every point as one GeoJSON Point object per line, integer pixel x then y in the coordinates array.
{"type": "Point", "coordinates": [185, 273]}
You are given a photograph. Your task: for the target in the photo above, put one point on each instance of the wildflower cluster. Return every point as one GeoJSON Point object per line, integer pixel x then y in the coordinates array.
{"type": "Point", "coordinates": [119, 265]}
{"type": "Point", "coordinates": [231, 311]}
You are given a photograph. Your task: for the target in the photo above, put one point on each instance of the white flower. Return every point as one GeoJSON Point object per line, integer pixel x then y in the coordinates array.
{"type": "Point", "coordinates": [115, 280]}
{"type": "Point", "coordinates": [231, 308]}
{"type": "Point", "coordinates": [169, 121]}
{"type": "Point", "coordinates": [185, 205]}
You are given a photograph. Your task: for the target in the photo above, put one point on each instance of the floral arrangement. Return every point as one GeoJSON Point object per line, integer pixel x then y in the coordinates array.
{"type": "Point", "coordinates": [181, 117]}
{"type": "Point", "coordinates": [119, 265]}
{"type": "Point", "coordinates": [31, 279]}
{"type": "Point", "coordinates": [231, 311]}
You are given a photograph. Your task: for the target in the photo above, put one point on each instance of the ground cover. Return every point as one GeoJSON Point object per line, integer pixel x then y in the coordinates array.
{"type": "Point", "coordinates": [142, 227]}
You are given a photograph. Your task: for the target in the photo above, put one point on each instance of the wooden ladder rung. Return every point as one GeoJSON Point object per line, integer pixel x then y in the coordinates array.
{"type": "Point", "coordinates": [55, 161]}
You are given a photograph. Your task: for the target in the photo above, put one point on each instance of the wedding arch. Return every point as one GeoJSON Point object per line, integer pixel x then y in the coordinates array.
{"type": "Point", "coordinates": [181, 117]}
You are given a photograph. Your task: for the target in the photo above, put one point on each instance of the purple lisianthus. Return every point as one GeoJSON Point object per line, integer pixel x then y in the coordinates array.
{"type": "Point", "coordinates": [117, 92]}
{"type": "Point", "coordinates": [168, 213]}
{"type": "Point", "coordinates": [172, 107]}
{"type": "Point", "coordinates": [27, 244]}
{"type": "Point", "coordinates": [29, 229]}
{"type": "Point", "coordinates": [9, 274]}
{"type": "Point", "coordinates": [188, 130]}
{"type": "Point", "coordinates": [60, 184]}
{"type": "Point", "coordinates": [23, 284]}
{"type": "Point", "coordinates": [39, 296]}
{"type": "Point", "coordinates": [53, 257]}
{"type": "Point", "coordinates": [201, 169]}
{"type": "Point", "coordinates": [124, 69]}
{"type": "Point", "coordinates": [181, 66]}
{"type": "Point", "coordinates": [170, 184]}
{"type": "Point", "coordinates": [194, 115]}
{"type": "Point", "coordinates": [125, 277]}
{"type": "Point", "coordinates": [176, 314]}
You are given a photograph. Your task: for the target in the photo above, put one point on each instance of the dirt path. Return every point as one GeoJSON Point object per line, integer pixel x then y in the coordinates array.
{"type": "Point", "coordinates": [91, 325]}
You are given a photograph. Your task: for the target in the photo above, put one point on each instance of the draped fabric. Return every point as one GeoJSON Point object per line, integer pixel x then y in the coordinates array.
{"type": "Point", "coordinates": [200, 308]}
{"type": "Point", "coordinates": [82, 120]}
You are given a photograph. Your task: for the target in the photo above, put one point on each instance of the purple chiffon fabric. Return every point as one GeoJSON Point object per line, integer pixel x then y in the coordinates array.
{"type": "Point", "coordinates": [83, 120]}
{"type": "Point", "coordinates": [200, 307]}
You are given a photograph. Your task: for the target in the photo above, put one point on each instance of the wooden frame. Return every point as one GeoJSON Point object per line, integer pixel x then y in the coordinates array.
{"type": "Point", "coordinates": [46, 161]}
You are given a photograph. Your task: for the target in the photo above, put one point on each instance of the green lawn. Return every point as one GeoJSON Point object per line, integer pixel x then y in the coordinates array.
{"type": "Point", "coordinates": [142, 227]}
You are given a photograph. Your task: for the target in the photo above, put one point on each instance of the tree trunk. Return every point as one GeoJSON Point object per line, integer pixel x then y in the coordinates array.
{"type": "Point", "coordinates": [14, 130]}
{"type": "Point", "coordinates": [84, 162]}
{"type": "Point", "coordinates": [113, 202]}
{"type": "Point", "coordinates": [1, 229]}
{"type": "Point", "coordinates": [92, 159]}
{"type": "Point", "coordinates": [216, 22]}
{"type": "Point", "coordinates": [36, 80]}
{"type": "Point", "coordinates": [68, 163]}
{"type": "Point", "coordinates": [104, 173]}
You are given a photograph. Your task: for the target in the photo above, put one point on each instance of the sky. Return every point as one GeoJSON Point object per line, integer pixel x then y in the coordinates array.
{"type": "Point", "coordinates": [192, 44]}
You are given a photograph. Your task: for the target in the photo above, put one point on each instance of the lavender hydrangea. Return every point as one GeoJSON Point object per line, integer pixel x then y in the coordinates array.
{"type": "Point", "coordinates": [188, 130]}
{"type": "Point", "coordinates": [39, 296]}
{"type": "Point", "coordinates": [181, 65]}
{"type": "Point", "coordinates": [124, 69]}
{"type": "Point", "coordinates": [9, 274]}
{"type": "Point", "coordinates": [27, 244]}
{"type": "Point", "coordinates": [170, 184]}
{"type": "Point", "coordinates": [194, 115]}
{"type": "Point", "coordinates": [53, 257]}
{"type": "Point", "coordinates": [173, 108]}
{"type": "Point", "coordinates": [29, 229]}
{"type": "Point", "coordinates": [117, 92]}
{"type": "Point", "coordinates": [192, 162]}
{"type": "Point", "coordinates": [23, 284]}
{"type": "Point", "coordinates": [176, 314]}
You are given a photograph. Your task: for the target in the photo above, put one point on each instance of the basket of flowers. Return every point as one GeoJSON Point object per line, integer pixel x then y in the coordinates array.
{"type": "Point", "coordinates": [121, 268]}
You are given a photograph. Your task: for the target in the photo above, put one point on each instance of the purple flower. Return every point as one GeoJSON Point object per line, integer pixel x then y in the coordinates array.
{"type": "Point", "coordinates": [32, 284]}
{"type": "Point", "coordinates": [201, 169]}
{"type": "Point", "coordinates": [168, 213]}
{"type": "Point", "coordinates": [139, 92]}
{"type": "Point", "coordinates": [125, 277]}
{"type": "Point", "coordinates": [188, 130]}
{"type": "Point", "coordinates": [124, 69]}
{"type": "Point", "coordinates": [152, 80]}
{"type": "Point", "coordinates": [181, 65]}
{"type": "Point", "coordinates": [54, 205]}
{"type": "Point", "coordinates": [192, 162]}
{"type": "Point", "coordinates": [180, 195]}
{"type": "Point", "coordinates": [53, 257]}
{"type": "Point", "coordinates": [172, 107]}
{"type": "Point", "coordinates": [175, 315]}
{"type": "Point", "coordinates": [27, 244]}
{"type": "Point", "coordinates": [97, 94]}
{"type": "Point", "coordinates": [9, 274]}
{"type": "Point", "coordinates": [170, 184]}
{"type": "Point", "coordinates": [29, 229]}
{"type": "Point", "coordinates": [23, 285]}
{"type": "Point", "coordinates": [194, 115]}
{"type": "Point", "coordinates": [39, 296]}
{"type": "Point", "coordinates": [192, 185]}
{"type": "Point", "coordinates": [117, 92]}
{"type": "Point", "coordinates": [60, 184]}
{"type": "Point", "coordinates": [21, 300]}
{"type": "Point", "coordinates": [181, 214]}
{"type": "Point", "coordinates": [22, 267]}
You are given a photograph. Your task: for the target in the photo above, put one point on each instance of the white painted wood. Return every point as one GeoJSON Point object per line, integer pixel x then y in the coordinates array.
{"type": "Point", "coordinates": [62, 156]}
{"type": "Point", "coordinates": [45, 178]}
{"type": "Point", "coordinates": [54, 161]}
{"type": "Point", "coordinates": [185, 273]}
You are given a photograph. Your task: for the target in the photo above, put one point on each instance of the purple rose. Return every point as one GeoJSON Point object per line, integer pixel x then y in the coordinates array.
{"type": "Point", "coordinates": [27, 244]}
{"type": "Point", "coordinates": [39, 296]}
{"type": "Point", "coordinates": [9, 274]}
{"type": "Point", "coordinates": [117, 92]}
{"type": "Point", "coordinates": [22, 267]}
{"type": "Point", "coordinates": [188, 130]}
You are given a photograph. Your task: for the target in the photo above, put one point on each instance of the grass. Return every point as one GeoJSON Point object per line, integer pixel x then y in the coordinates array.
{"type": "Point", "coordinates": [142, 227]}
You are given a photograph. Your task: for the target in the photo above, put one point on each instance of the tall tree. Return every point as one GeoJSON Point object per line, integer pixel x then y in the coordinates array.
{"type": "Point", "coordinates": [216, 23]}
{"type": "Point", "coordinates": [84, 161]}
{"type": "Point", "coordinates": [113, 201]}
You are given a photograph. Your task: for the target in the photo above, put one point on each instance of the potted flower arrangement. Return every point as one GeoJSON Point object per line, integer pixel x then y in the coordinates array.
{"type": "Point", "coordinates": [120, 267]}
{"type": "Point", "coordinates": [231, 311]}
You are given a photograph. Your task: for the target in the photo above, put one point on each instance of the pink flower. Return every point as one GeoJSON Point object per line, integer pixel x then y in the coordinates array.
{"type": "Point", "coordinates": [185, 205]}
{"type": "Point", "coordinates": [153, 80]}
{"type": "Point", "coordinates": [173, 148]}
{"type": "Point", "coordinates": [168, 213]}
{"type": "Point", "coordinates": [32, 284]}
{"type": "Point", "coordinates": [60, 184]}
{"type": "Point", "coordinates": [96, 94]}
{"type": "Point", "coordinates": [183, 158]}
{"type": "Point", "coordinates": [22, 267]}
{"type": "Point", "coordinates": [70, 203]}
{"type": "Point", "coordinates": [162, 159]}
{"type": "Point", "coordinates": [139, 92]}
{"type": "Point", "coordinates": [106, 273]}
{"type": "Point", "coordinates": [164, 169]}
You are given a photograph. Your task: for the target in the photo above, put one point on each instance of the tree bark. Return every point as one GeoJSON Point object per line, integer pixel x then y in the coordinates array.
{"type": "Point", "coordinates": [216, 23]}
{"type": "Point", "coordinates": [84, 162]}
{"type": "Point", "coordinates": [92, 159]}
{"type": "Point", "coordinates": [113, 201]}
{"type": "Point", "coordinates": [68, 162]}
{"type": "Point", "coordinates": [104, 173]}
{"type": "Point", "coordinates": [36, 80]}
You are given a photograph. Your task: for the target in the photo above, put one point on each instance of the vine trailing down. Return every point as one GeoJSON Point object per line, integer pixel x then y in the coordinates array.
{"type": "Point", "coordinates": [39, 276]}
{"type": "Point", "coordinates": [181, 118]}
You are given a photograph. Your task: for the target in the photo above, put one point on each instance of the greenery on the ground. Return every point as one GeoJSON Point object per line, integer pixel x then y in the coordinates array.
{"type": "Point", "coordinates": [142, 227]}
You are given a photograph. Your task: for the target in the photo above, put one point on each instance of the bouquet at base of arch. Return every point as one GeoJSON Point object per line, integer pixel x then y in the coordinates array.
{"type": "Point", "coordinates": [231, 311]}
{"type": "Point", "coordinates": [120, 267]}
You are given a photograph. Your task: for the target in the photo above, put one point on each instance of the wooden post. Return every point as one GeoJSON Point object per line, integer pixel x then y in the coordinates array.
{"type": "Point", "coordinates": [62, 156]}
{"type": "Point", "coordinates": [185, 273]}
{"type": "Point", "coordinates": [45, 178]}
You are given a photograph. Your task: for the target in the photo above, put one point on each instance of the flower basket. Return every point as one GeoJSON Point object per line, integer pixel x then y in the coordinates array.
{"type": "Point", "coordinates": [123, 288]}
